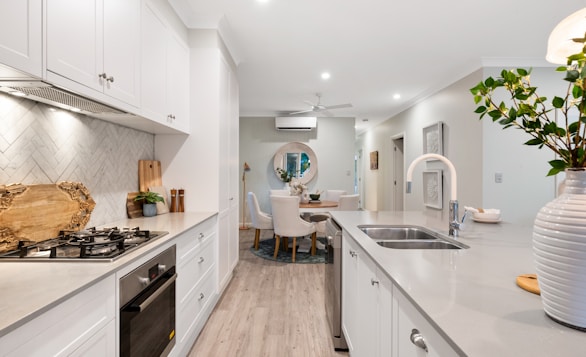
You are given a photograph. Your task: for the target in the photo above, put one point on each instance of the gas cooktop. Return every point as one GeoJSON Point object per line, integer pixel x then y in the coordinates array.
{"type": "Point", "coordinates": [104, 244]}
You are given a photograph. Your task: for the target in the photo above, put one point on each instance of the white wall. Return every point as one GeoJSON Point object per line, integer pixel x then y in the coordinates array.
{"type": "Point", "coordinates": [478, 149]}
{"type": "Point", "coordinates": [525, 187]}
{"type": "Point", "coordinates": [332, 143]}
{"type": "Point", "coordinates": [462, 145]}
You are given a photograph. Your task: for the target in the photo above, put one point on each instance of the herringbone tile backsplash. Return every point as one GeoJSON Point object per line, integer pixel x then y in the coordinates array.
{"type": "Point", "coordinates": [40, 144]}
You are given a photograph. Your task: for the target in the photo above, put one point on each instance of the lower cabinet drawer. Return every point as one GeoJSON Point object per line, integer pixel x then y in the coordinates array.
{"type": "Point", "coordinates": [196, 301]}
{"type": "Point", "coordinates": [193, 267]}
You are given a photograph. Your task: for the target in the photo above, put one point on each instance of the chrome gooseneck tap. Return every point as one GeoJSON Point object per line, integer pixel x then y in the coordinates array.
{"type": "Point", "coordinates": [454, 222]}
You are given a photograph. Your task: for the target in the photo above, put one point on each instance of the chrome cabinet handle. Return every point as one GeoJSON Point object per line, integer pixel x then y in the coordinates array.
{"type": "Point", "coordinates": [201, 297]}
{"type": "Point", "coordinates": [200, 236]}
{"type": "Point", "coordinates": [201, 259]}
{"type": "Point", "coordinates": [373, 282]}
{"type": "Point", "coordinates": [105, 76]}
{"type": "Point", "coordinates": [417, 339]}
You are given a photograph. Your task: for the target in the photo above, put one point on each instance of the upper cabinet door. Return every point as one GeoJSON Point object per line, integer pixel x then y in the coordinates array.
{"type": "Point", "coordinates": [165, 73]}
{"type": "Point", "coordinates": [178, 83]}
{"type": "Point", "coordinates": [75, 40]}
{"type": "Point", "coordinates": [96, 43]}
{"type": "Point", "coordinates": [21, 35]}
{"type": "Point", "coordinates": [154, 65]}
{"type": "Point", "coordinates": [122, 49]}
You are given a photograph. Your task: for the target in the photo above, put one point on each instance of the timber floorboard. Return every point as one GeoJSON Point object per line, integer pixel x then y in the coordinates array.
{"type": "Point", "coordinates": [268, 309]}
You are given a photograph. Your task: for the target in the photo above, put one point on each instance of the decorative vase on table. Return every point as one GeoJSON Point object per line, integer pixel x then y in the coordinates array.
{"type": "Point", "coordinates": [304, 197]}
{"type": "Point", "coordinates": [559, 245]}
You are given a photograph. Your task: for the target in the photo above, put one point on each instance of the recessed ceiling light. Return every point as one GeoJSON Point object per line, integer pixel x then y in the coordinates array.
{"type": "Point", "coordinates": [325, 75]}
{"type": "Point", "coordinates": [396, 96]}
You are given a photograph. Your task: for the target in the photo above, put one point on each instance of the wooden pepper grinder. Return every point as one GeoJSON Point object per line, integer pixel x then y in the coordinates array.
{"type": "Point", "coordinates": [173, 200]}
{"type": "Point", "coordinates": [181, 200]}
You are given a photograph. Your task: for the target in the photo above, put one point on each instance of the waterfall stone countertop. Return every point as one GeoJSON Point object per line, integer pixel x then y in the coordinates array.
{"type": "Point", "coordinates": [471, 294]}
{"type": "Point", "coordinates": [30, 288]}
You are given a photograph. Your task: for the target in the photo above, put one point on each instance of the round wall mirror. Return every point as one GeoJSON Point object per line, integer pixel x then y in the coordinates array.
{"type": "Point", "coordinates": [295, 160]}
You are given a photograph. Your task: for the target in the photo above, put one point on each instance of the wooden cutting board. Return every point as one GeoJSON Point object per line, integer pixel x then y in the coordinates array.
{"type": "Point", "coordinates": [39, 212]}
{"type": "Point", "coordinates": [149, 174]}
{"type": "Point", "coordinates": [529, 282]}
{"type": "Point", "coordinates": [133, 208]}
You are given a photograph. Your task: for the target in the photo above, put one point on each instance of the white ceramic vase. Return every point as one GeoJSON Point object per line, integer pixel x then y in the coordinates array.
{"type": "Point", "coordinates": [559, 246]}
{"type": "Point", "coordinates": [304, 197]}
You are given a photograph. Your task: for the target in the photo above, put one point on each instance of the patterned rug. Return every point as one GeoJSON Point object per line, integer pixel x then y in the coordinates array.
{"type": "Point", "coordinates": [267, 249]}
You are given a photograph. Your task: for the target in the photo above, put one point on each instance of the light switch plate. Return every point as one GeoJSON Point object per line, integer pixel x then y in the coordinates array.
{"type": "Point", "coordinates": [498, 177]}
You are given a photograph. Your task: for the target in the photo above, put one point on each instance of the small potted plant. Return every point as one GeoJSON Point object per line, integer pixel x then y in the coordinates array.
{"type": "Point", "coordinates": [149, 205]}
{"type": "Point", "coordinates": [284, 175]}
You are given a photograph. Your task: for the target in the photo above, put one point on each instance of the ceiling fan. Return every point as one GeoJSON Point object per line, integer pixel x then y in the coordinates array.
{"type": "Point", "coordinates": [318, 107]}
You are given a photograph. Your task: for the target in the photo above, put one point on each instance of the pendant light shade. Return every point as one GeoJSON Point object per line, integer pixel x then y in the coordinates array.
{"type": "Point", "coordinates": [560, 44]}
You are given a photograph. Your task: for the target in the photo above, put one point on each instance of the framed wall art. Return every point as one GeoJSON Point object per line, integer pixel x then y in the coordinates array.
{"type": "Point", "coordinates": [374, 160]}
{"type": "Point", "coordinates": [433, 142]}
{"type": "Point", "coordinates": [433, 188]}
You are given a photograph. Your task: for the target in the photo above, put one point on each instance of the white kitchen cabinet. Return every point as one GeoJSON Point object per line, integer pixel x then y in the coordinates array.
{"type": "Point", "coordinates": [350, 311]}
{"type": "Point", "coordinates": [165, 72]}
{"type": "Point", "coordinates": [228, 195]}
{"type": "Point", "coordinates": [196, 282]}
{"type": "Point", "coordinates": [412, 325]}
{"type": "Point", "coordinates": [21, 35]}
{"type": "Point", "coordinates": [82, 325]}
{"type": "Point", "coordinates": [95, 44]}
{"type": "Point", "coordinates": [205, 163]}
{"type": "Point", "coordinates": [367, 300]}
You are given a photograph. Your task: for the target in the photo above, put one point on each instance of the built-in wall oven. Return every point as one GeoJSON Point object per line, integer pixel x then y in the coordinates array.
{"type": "Point", "coordinates": [333, 283]}
{"type": "Point", "coordinates": [147, 307]}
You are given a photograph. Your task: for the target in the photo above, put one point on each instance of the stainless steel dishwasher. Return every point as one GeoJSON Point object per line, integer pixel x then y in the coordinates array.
{"type": "Point", "coordinates": [333, 283]}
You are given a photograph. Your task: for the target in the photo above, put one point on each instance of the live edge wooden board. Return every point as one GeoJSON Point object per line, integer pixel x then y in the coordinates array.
{"type": "Point", "coordinates": [39, 212]}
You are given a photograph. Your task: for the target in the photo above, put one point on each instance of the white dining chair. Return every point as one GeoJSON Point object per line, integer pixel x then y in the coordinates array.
{"type": "Point", "coordinates": [349, 202]}
{"type": "Point", "coordinates": [260, 220]}
{"type": "Point", "coordinates": [288, 224]}
{"type": "Point", "coordinates": [280, 193]}
{"type": "Point", "coordinates": [333, 195]}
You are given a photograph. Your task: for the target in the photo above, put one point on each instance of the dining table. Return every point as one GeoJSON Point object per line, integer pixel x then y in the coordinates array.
{"type": "Point", "coordinates": [317, 206]}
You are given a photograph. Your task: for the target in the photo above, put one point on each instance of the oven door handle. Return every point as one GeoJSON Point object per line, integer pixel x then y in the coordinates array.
{"type": "Point", "coordinates": [158, 292]}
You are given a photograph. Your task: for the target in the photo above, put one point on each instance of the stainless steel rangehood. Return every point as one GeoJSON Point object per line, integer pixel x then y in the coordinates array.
{"type": "Point", "coordinates": [18, 83]}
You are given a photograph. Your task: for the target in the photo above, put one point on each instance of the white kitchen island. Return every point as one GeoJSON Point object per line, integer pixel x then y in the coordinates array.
{"type": "Point", "coordinates": [468, 297]}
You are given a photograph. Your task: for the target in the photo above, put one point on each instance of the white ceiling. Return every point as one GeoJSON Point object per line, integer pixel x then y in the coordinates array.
{"type": "Point", "coordinates": [372, 48]}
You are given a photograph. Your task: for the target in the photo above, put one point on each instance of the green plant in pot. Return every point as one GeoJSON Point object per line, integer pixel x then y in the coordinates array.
{"type": "Point", "coordinates": [560, 271]}
{"type": "Point", "coordinates": [149, 205]}
{"type": "Point", "coordinates": [284, 175]}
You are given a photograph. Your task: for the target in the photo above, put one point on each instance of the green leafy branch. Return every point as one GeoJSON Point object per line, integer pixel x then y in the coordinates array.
{"type": "Point", "coordinates": [528, 111]}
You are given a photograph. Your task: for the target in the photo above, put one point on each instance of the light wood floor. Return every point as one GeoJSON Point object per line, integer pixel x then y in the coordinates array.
{"type": "Point", "coordinates": [268, 309]}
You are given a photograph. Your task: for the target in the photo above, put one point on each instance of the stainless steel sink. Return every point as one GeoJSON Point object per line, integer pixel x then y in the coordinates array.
{"type": "Point", "coordinates": [409, 237]}
{"type": "Point", "coordinates": [398, 232]}
{"type": "Point", "coordinates": [406, 244]}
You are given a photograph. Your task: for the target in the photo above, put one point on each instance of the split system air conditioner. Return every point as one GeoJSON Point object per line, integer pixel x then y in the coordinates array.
{"type": "Point", "coordinates": [295, 123]}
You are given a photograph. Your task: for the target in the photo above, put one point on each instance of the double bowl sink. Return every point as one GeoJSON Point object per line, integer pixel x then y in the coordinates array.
{"type": "Point", "coordinates": [409, 237]}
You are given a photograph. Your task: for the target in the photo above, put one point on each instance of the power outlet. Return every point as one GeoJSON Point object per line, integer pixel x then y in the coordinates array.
{"type": "Point", "coordinates": [498, 177]}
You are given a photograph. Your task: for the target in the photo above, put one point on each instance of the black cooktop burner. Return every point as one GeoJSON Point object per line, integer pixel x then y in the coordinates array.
{"type": "Point", "coordinates": [105, 244]}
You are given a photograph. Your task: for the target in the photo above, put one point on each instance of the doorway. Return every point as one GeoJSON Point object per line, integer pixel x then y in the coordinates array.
{"type": "Point", "coordinates": [398, 173]}
{"type": "Point", "coordinates": [358, 186]}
